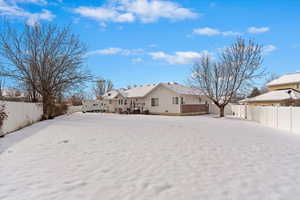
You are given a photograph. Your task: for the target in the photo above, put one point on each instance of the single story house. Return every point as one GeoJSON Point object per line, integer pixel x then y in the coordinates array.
{"type": "Point", "coordinates": [163, 98]}
{"type": "Point", "coordinates": [274, 98]}
{"type": "Point", "coordinates": [286, 87]}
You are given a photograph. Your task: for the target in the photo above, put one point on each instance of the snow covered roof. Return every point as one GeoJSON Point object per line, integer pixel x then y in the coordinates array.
{"type": "Point", "coordinates": [276, 95]}
{"type": "Point", "coordinates": [181, 89]}
{"type": "Point", "coordinates": [143, 90]}
{"type": "Point", "coordinates": [111, 94]}
{"type": "Point", "coordinates": [286, 79]}
{"type": "Point", "coordinates": [13, 93]}
{"type": "Point", "coordinates": [139, 91]}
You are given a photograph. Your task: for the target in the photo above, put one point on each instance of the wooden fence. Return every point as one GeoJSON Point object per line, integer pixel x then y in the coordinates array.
{"type": "Point", "coordinates": [194, 108]}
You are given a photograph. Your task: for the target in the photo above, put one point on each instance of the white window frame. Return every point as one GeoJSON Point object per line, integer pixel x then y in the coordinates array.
{"type": "Point", "coordinates": [154, 102]}
{"type": "Point", "coordinates": [175, 100]}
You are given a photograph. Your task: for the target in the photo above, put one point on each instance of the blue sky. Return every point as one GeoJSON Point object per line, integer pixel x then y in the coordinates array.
{"type": "Point", "coordinates": [150, 41]}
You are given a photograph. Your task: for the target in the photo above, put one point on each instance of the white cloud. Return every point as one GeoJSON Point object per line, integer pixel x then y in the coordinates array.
{"type": "Point", "coordinates": [104, 14]}
{"type": "Point", "coordinates": [269, 48]}
{"type": "Point", "coordinates": [30, 1]}
{"type": "Point", "coordinates": [145, 11]}
{"type": "Point", "coordinates": [13, 10]}
{"type": "Point", "coordinates": [33, 18]}
{"type": "Point", "coordinates": [181, 57]}
{"type": "Point", "coordinates": [115, 51]}
{"type": "Point", "coordinates": [211, 31]}
{"type": "Point", "coordinates": [256, 30]}
{"type": "Point", "coordinates": [137, 60]}
{"type": "Point", "coordinates": [230, 33]}
{"type": "Point", "coordinates": [206, 31]}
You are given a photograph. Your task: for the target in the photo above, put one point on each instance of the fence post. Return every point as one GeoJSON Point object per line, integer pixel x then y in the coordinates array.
{"type": "Point", "coordinates": [291, 119]}
{"type": "Point", "coordinates": [276, 116]}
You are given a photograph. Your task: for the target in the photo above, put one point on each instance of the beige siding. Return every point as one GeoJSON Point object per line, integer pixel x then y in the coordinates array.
{"type": "Point", "coordinates": [165, 101]}
{"type": "Point", "coordinates": [295, 86]}
{"type": "Point", "coordinates": [265, 103]}
{"type": "Point", "coordinates": [188, 99]}
{"type": "Point", "coordinates": [111, 107]}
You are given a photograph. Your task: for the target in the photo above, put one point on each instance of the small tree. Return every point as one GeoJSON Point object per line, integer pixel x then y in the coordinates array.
{"type": "Point", "coordinates": [47, 59]}
{"type": "Point", "coordinates": [255, 92]}
{"type": "Point", "coordinates": [221, 79]}
{"type": "Point", "coordinates": [3, 116]}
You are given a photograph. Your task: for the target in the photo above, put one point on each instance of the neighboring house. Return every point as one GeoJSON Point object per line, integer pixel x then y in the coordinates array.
{"type": "Point", "coordinates": [13, 93]}
{"type": "Point", "coordinates": [286, 87]}
{"type": "Point", "coordinates": [163, 98]}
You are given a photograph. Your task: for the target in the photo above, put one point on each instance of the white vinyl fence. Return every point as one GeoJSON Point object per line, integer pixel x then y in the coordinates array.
{"type": "Point", "coordinates": [285, 118]}
{"type": "Point", "coordinates": [20, 114]}
{"type": "Point", "coordinates": [213, 109]}
{"type": "Point", "coordinates": [74, 109]}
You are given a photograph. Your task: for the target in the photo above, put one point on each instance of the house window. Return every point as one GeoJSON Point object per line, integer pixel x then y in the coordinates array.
{"type": "Point", "coordinates": [200, 100]}
{"type": "Point", "coordinates": [175, 100]}
{"type": "Point", "coordinates": [109, 101]}
{"type": "Point", "coordinates": [181, 100]}
{"type": "Point", "coordinates": [125, 102]}
{"type": "Point", "coordinates": [298, 86]}
{"type": "Point", "coordinates": [154, 102]}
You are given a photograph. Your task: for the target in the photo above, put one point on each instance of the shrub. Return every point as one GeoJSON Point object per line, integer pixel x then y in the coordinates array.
{"type": "Point", "coordinates": [59, 109]}
{"type": "Point", "coordinates": [3, 115]}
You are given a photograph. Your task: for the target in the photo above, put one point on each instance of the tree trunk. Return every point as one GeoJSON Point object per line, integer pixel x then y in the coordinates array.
{"type": "Point", "coordinates": [47, 107]}
{"type": "Point", "coordinates": [222, 109]}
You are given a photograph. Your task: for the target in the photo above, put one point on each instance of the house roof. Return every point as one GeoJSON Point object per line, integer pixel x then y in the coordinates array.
{"type": "Point", "coordinates": [286, 79]}
{"type": "Point", "coordinates": [139, 91]}
{"type": "Point", "coordinates": [143, 90]}
{"type": "Point", "coordinates": [181, 89]}
{"type": "Point", "coordinates": [111, 94]}
{"type": "Point", "coordinates": [7, 92]}
{"type": "Point", "coordinates": [276, 95]}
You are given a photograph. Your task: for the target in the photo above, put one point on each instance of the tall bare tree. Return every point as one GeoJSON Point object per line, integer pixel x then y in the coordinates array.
{"type": "Point", "coordinates": [47, 59]}
{"type": "Point", "coordinates": [222, 78]}
{"type": "Point", "coordinates": [102, 86]}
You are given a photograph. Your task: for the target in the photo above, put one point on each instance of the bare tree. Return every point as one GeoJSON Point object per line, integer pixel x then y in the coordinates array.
{"type": "Point", "coordinates": [269, 77]}
{"type": "Point", "coordinates": [229, 75]}
{"type": "Point", "coordinates": [102, 86]}
{"type": "Point", "coordinates": [47, 59]}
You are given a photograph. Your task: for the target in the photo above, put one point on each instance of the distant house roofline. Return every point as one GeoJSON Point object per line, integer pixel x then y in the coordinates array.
{"type": "Point", "coordinates": [144, 90]}
{"type": "Point", "coordinates": [285, 79]}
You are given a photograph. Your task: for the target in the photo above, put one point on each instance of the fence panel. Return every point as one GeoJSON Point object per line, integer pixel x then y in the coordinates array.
{"type": "Point", "coordinates": [194, 108]}
{"type": "Point", "coordinates": [285, 118]}
{"type": "Point", "coordinates": [296, 120]}
{"type": "Point", "coordinates": [20, 114]}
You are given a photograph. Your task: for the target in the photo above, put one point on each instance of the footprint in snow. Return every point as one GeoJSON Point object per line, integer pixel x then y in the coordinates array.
{"type": "Point", "coordinates": [64, 142]}
{"type": "Point", "coordinates": [161, 188]}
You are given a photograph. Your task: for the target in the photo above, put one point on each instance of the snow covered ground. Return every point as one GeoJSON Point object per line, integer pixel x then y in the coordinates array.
{"type": "Point", "coordinates": [132, 157]}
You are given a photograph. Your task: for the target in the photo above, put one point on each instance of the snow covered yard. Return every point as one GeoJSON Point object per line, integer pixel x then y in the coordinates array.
{"type": "Point", "coordinates": [132, 157]}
